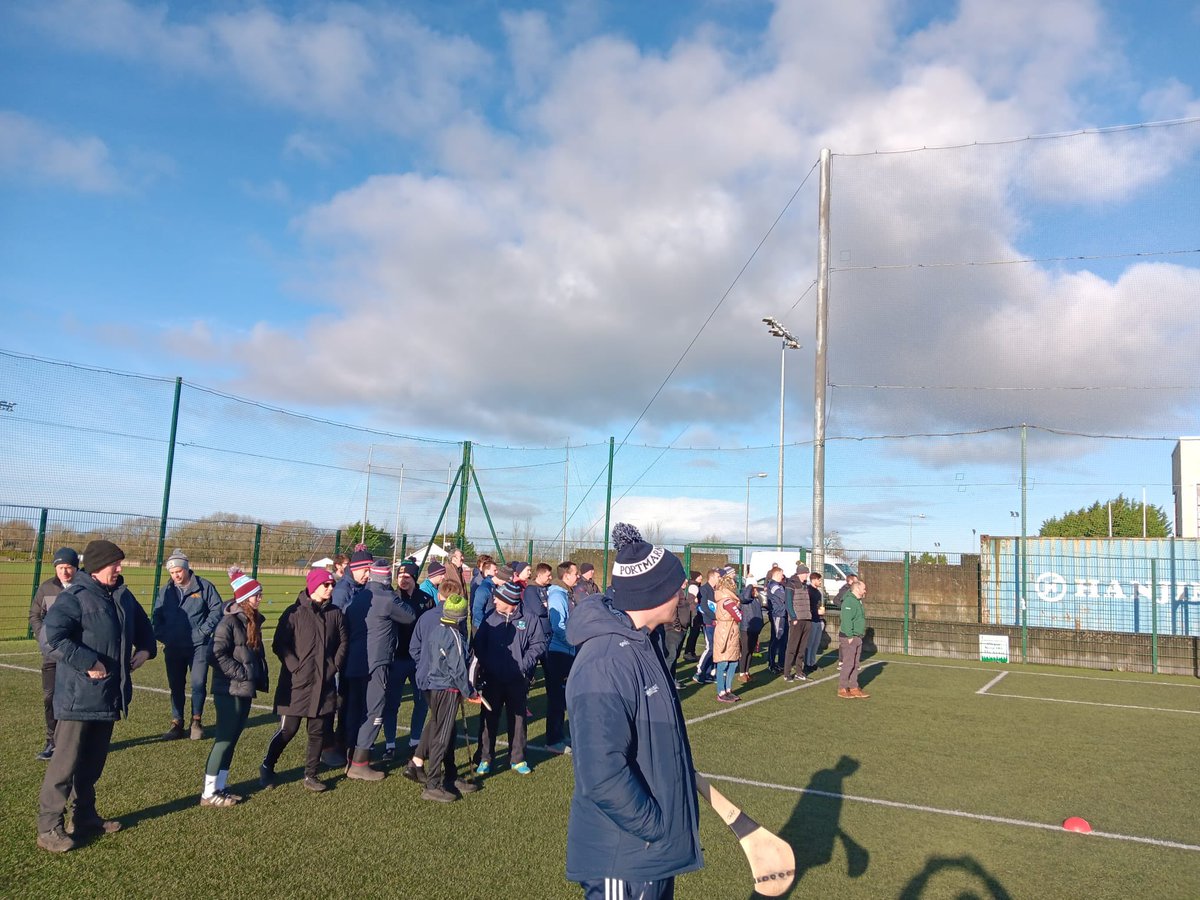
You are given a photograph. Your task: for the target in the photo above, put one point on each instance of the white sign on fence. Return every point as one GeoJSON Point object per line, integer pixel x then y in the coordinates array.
{"type": "Point", "coordinates": [993, 648]}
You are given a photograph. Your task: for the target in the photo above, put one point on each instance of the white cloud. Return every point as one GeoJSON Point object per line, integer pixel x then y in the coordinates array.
{"type": "Point", "coordinates": [32, 150]}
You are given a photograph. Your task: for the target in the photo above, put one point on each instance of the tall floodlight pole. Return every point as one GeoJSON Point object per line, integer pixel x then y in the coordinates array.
{"type": "Point", "coordinates": [362, 537]}
{"type": "Point", "coordinates": [750, 478]}
{"type": "Point", "coordinates": [910, 529]}
{"type": "Point", "coordinates": [788, 342]}
{"type": "Point", "coordinates": [820, 377]}
{"type": "Point", "coordinates": [396, 526]}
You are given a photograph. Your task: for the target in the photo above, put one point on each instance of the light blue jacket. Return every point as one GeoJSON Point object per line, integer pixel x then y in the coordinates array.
{"type": "Point", "coordinates": [560, 610]}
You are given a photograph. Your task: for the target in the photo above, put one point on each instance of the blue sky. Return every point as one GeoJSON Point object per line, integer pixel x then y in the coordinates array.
{"type": "Point", "coordinates": [506, 222]}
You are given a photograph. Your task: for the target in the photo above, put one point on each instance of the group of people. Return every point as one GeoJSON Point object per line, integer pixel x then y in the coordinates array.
{"type": "Point", "coordinates": [352, 640]}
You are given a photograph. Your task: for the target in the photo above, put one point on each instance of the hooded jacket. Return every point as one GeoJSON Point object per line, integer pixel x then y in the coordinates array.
{"type": "Point", "coordinates": [186, 620]}
{"type": "Point", "coordinates": [634, 813]}
{"type": "Point", "coordinates": [752, 609]}
{"type": "Point", "coordinates": [778, 597]}
{"type": "Point", "coordinates": [357, 606]}
{"type": "Point", "coordinates": [481, 601]}
{"type": "Point", "coordinates": [311, 642]}
{"type": "Point", "coordinates": [441, 653]}
{"type": "Point", "coordinates": [88, 623]}
{"type": "Point", "coordinates": [416, 605]}
{"type": "Point", "coordinates": [237, 669]}
{"type": "Point", "coordinates": [385, 616]}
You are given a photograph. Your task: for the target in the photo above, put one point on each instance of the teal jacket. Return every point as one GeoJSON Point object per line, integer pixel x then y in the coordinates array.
{"type": "Point", "coordinates": [854, 618]}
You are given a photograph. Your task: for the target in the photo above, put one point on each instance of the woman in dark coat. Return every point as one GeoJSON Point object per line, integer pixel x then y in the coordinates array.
{"type": "Point", "coordinates": [239, 670]}
{"type": "Point", "coordinates": [311, 642]}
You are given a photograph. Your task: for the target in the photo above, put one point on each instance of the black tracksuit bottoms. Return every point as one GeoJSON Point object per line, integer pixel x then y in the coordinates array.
{"type": "Point", "coordinates": [437, 739]}
{"type": "Point", "coordinates": [511, 696]}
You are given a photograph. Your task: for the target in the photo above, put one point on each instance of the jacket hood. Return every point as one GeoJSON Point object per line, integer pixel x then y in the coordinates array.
{"type": "Point", "coordinates": [594, 617]}
{"type": "Point", "coordinates": [230, 607]}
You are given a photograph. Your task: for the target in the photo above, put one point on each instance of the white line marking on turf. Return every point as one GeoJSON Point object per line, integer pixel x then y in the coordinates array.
{"type": "Point", "coordinates": [800, 687]}
{"type": "Point", "coordinates": [136, 687]}
{"type": "Point", "coordinates": [1190, 712]}
{"type": "Point", "coordinates": [930, 665]}
{"type": "Point", "coordinates": [994, 681]}
{"type": "Point", "coordinates": [30, 653]}
{"type": "Point", "coordinates": [915, 807]}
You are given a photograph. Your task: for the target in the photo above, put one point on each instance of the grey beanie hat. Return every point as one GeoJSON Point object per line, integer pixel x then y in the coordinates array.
{"type": "Point", "coordinates": [178, 560]}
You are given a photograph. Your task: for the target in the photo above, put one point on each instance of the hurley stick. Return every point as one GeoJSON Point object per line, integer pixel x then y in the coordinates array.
{"type": "Point", "coordinates": [772, 862]}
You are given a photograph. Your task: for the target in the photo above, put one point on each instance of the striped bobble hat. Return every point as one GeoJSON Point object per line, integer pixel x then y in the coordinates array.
{"type": "Point", "coordinates": [361, 558]}
{"type": "Point", "coordinates": [643, 576]}
{"type": "Point", "coordinates": [509, 592]}
{"type": "Point", "coordinates": [243, 585]}
{"type": "Point", "coordinates": [381, 570]}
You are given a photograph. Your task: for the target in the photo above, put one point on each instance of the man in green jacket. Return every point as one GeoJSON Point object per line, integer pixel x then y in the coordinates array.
{"type": "Point", "coordinates": [854, 626]}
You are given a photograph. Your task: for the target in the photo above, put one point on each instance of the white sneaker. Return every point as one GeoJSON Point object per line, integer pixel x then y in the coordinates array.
{"type": "Point", "coordinates": [560, 748]}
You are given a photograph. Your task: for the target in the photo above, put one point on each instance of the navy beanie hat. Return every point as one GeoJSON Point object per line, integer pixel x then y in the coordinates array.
{"type": "Point", "coordinates": [66, 556]}
{"type": "Point", "coordinates": [361, 558]}
{"type": "Point", "coordinates": [643, 576]}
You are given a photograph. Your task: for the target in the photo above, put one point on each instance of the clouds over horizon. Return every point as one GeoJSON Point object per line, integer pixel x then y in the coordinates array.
{"type": "Point", "coordinates": [559, 244]}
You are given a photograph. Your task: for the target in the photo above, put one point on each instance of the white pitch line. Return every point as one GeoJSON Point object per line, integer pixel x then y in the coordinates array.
{"type": "Point", "coordinates": [30, 653]}
{"type": "Point", "coordinates": [930, 665]}
{"type": "Point", "coordinates": [958, 813]}
{"type": "Point", "coordinates": [994, 681]}
{"type": "Point", "coordinates": [1190, 712]}
{"type": "Point", "coordinates": [136, 687]}
{"type": "Point", "coordinates": [800, 687]}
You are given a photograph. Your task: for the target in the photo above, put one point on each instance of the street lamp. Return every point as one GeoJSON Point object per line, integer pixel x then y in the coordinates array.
{"type": "Point", "coordinates": [788, 342]}
{"type": "Point", "coordinates": [749, 478]}
{"type": "Point", "coordinates": [910, 529]}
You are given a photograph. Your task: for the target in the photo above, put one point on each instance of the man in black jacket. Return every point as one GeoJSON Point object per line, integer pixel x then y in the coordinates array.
{"type": "Point", "coordinates": [98, 635]}
{"type": "Point", "coordinates": [66, 564]}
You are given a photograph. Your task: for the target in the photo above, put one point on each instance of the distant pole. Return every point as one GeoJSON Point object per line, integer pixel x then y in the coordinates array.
{"type": "Point", "coordinates": [396, 527]}
{"type": "Point", "coordinates": [820, 377]}
{"type": "Point", "coordinates": [608, 510]}
{"type": "Point", "coordinates": [1110, 518]}
{"type": "Point", "coordinates": [1143, 512]}
{"type": "Point", "coordinates": [362, 538]}
{"type": "Point", "coordinates": [166, 504]}
{"type": "Point", "coordinates": [566, 489]}
{"type": "Point", "coordinates": [1024, 551]}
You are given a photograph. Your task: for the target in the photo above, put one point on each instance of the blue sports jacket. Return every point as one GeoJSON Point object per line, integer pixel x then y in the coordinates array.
{"type": "Point", "coordinates": [634, 813]}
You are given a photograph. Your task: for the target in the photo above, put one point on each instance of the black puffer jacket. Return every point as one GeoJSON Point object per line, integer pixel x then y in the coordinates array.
{"type": "Point", "coordinates": [237, 669]}
{"type": "Point", "coordinates": [311, 641]}
{"type": "Point", "coordinates": [89, 623]}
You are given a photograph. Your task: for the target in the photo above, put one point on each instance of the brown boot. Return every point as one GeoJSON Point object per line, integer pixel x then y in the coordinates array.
{"type": "Point", "coordinates": [845, 694]}
{"type": "Point", "coordinates": [360, 767]}
{"type": "Point", "coordinates": [197, 730]}
{"type": "Point", "coordinates": [859, 694]}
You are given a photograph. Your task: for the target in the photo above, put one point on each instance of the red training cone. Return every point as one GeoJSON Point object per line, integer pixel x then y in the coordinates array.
{"type": "Point", "coordinates": [1077, 824]}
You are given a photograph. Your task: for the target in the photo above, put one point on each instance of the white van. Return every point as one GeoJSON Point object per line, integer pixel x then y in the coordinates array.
{"type": "Point", "coordinates": [836, 570]}
{"type": "Point", "coordinates": [761, 562]}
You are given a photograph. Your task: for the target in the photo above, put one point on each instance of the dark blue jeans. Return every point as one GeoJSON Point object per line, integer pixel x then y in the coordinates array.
{"type": "Point", "coordinates": [180, 661]}
{"type": "Point", "coordinates": [779, 638]}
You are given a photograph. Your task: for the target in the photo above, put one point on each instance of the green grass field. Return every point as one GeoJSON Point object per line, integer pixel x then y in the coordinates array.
{"type": "Point", "coordinates": [929, 789]}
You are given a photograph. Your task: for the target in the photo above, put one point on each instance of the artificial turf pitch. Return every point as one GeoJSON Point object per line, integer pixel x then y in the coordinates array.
{"type": "Point", "coordinates": [929, 789]}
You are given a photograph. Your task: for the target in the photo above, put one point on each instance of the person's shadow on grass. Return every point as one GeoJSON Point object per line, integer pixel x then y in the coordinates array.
{"type": "Point", "coordinates": [961, 876]}
{"type": "Point", "coordinates": [814, 827]}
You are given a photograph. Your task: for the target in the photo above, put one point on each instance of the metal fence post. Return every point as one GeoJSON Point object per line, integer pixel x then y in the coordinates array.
{"type": "Point", "coordinates": [257, 547]}
{"type": "Point", "coordinates": [529, 552]}
{"type": "Point", "coordinates": [463, 487]}
{"type": "Point", "coordinates": [37, 564]}
{"type": "Point", "coordinates": [1154, 615]}
{"type": "Point", "coordinates": [1173, 598]}
{"type": "Point", "coordinates": [337, 542]}
{"type": "Point", "coordinates": [404, 545]}
{"type": "Point", "coordinates": [166, 504]}
{"type": "Point", "coordinates": [907, 584]}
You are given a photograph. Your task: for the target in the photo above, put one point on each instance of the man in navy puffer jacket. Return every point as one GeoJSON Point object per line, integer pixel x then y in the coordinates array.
{"type": "Point", "coordinates": [634, 822]}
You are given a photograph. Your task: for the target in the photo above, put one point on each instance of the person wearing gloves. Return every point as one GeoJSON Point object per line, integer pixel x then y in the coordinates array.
{"type": "Point", "coordinates": [440, 651]}
{"type": "Point", "coordinates": [385, 616]}
{"type": "Point", "coordinates": [727, 639]}
{"type": "Point", "coordinates": [634, 821]}
{"type": "Point", "coordinates": [310, 641]}
{"type": "Point", "coordinates": [185, 614]}
{"type": "Point", "coordinates": [239, 670]}
{"type": "Point", "coordinates": [66, 564]}
{"type": "Point", "coordinates": [507, 647]}
{"type": "Point", "coordinates": [98, 635]}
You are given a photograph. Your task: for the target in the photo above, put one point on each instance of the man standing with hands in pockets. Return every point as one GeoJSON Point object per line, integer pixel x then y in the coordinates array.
{"type": "Point", "coordinates": [98, 635]}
